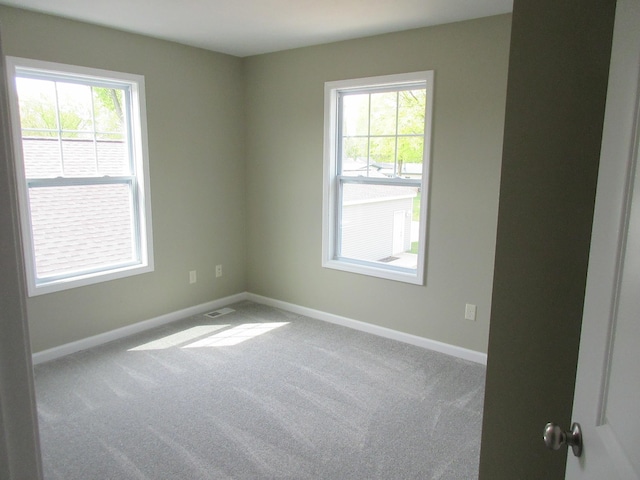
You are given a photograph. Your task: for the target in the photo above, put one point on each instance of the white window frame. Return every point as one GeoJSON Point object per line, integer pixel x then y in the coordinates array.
{"type": "Point", "coordinates": [138, 180]}
{"type": "Point", "coordinates": [331, 200]}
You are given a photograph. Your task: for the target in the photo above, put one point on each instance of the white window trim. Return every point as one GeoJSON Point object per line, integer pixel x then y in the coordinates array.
{"type": "Point", "coordinates": [140, 152]}
{"type": "Point", "coordinates": [329, 191]}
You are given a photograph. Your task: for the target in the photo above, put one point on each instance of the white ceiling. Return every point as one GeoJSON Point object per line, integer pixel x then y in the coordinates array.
{"type": "Point", "coordinates": [249, 27]}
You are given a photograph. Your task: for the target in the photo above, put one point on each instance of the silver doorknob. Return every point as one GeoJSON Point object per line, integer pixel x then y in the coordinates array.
{"type": "Point", "coordinates": [555, 437]}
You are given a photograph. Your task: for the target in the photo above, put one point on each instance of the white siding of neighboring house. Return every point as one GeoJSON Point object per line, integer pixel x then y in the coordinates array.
{"type": "Point", "coordinates": [368, 221]}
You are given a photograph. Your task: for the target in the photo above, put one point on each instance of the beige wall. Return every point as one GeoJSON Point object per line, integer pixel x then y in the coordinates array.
{"type": "Point", "coordinates": [194, 107]}
{"type": "Point", "coordinates": [284, 94]}
{"type": "Point", "coordinates": [236, 176]}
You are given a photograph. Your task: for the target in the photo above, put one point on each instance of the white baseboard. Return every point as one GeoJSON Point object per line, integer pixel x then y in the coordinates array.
{"type": "Point", "coordinates": [94, 341]}
{"type": "Point", "coordinates": [102, 338]}
{"type": "Point", "coordinates": [464, 353]}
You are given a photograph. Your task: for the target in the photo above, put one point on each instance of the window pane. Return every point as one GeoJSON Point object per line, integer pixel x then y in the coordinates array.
{"type": "Point", "coordinates": [383, 113]}
{"type": "Point", "coordinates": [355, 115]}
{"type": "Point", "coordinates": [382, 154]}
{"type": "Point", "coordinates": [78, 155]}
{"type": "Point", "coordinates": [411, 111]}
{"type": "Point", "coordinates": [37, 99]}
{"type": "Point", "coordinates": [111, 149]}
{"type": "Point", "coordinates": [108, 107]}
{"type": "Point", "coordinates": [75, 107]}
{"type": "Point", "coordinates": [410, 156]}
{"type": "Point", "coordinates": [380, 224]}
{"type": "Point", "coordinates": [41, 157]}
{"type": "Point", "coordinates": [78, 228]}
{"type": "Point", "coordinates": [354, 156]}
{"type": "Point", "coordinates": [113, 157]}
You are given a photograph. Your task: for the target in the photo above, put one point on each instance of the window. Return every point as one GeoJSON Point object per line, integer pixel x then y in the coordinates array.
{"type": "Point", "coordinates": [81, 166]}
{"type": "Point", "coordinates": [376, 166]}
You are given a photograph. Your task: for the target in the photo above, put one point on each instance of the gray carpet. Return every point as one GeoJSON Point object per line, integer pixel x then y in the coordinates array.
{"type": "Point", "coordinates": [259, 394]}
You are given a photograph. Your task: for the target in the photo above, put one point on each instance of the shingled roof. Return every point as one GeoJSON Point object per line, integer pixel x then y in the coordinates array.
{"type": "Point", "coordinates": [80, 227]}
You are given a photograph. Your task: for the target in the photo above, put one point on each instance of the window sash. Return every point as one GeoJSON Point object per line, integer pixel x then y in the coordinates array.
{"type": "Point", "coordinates": [134, 209]}
{"type": "Point", "coordinates": [369, 91]}
{"type": "Point", "coordinates": [127, 109]}
{"type": "Point", "coordinates": [338, 228]}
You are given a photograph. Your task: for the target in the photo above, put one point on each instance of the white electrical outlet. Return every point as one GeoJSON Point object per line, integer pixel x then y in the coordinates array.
{"type": "Point", "coordinates": [218, 271]}
{"type": "Point", "coordinates": [192, 276]}
{"type": "Point", "coordinates": [470, 312]}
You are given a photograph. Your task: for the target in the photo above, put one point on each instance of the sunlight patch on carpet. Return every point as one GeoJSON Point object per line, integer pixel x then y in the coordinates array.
{"type": "Point", "coordinates": [236, 335]}
{"type": "Point", "coordinates": [203, 338]}
{"type": "Point", "coordinates": [179, 338]}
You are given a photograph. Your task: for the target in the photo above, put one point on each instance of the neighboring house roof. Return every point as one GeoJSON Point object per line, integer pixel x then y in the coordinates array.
{"type": "Point", "coordinates": [42, 157]}
{"type": "Point", "coordinates": [358, 166]}
{"type": "Point", "coordinates": [355, 193]}
{"type": "Point", "coordinates": [80, 227]}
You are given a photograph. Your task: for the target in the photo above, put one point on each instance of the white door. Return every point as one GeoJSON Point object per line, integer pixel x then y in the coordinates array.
{"type": "Point", "coordinates": [398, 231]}
{"type": "Point", "coordinates": [607, 397]}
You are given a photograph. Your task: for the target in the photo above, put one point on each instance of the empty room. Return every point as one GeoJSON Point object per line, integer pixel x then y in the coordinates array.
{"type": "Point", "coordinates": [262, 239]}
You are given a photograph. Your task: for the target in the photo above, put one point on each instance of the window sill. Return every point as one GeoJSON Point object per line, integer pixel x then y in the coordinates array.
{"type": "Point", "coordinates": [45, 287]}
{"type": "Point", "coordinates": [415, 277]}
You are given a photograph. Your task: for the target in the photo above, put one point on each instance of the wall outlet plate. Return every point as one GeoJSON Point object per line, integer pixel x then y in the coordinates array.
{"type": "Point", "coordinates": [470, 312]}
